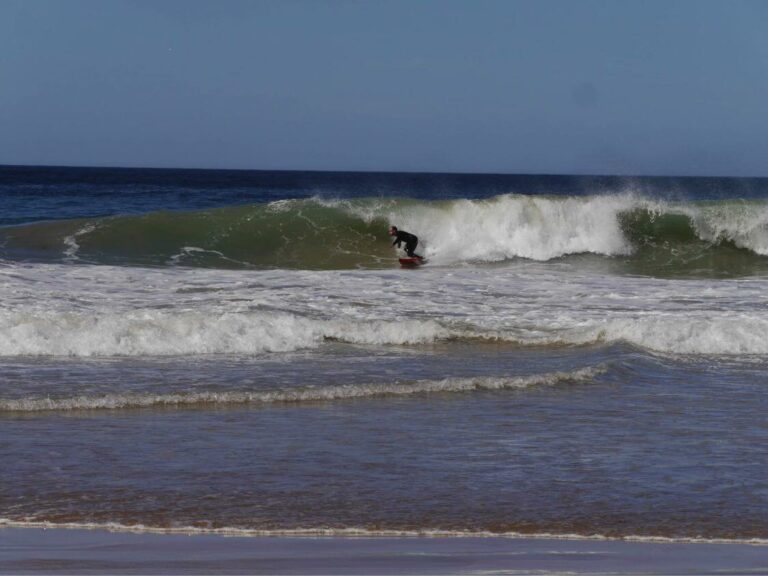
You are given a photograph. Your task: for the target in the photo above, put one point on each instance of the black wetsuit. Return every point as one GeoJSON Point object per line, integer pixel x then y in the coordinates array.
{"type": "Point", "coordinates": [410, 242]}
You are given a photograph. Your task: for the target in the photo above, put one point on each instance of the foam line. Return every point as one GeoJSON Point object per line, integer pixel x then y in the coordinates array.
{"type": "Point", "coordinates": [352, 532]}
{"type": "Point", "coordinates": [295, 395]}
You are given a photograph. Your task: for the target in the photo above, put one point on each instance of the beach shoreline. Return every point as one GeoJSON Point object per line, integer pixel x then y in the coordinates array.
{"type": "Point", "coordinates": [99, 551]}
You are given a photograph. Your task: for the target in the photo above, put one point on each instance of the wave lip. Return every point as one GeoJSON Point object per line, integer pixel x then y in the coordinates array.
{"type": "Point", "coordinates": [297, 395]}
{"type": "Point", "coordinates": [745, 224]}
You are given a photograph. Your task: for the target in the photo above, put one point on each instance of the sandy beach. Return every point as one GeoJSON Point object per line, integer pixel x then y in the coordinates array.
{"type": "Point", "coordinates": [64, 551]}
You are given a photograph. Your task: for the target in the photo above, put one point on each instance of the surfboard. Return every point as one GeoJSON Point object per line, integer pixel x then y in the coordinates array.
{"type": "Point", "coordinates": [414, 262]}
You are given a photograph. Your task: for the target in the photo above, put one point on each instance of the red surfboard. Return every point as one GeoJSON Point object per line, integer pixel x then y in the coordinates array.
{"type": "Point", "coordinates": [413, 262]}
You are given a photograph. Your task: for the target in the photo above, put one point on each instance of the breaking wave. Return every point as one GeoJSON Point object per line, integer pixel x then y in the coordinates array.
{"type": "Point", "coordinates": [718, 237]}
{"type": "Point", "coordinates": [156, 333]}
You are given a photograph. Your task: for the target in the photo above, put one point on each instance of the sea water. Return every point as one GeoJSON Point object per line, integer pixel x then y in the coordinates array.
{"type": "Point", "coordinates": [239, 351]}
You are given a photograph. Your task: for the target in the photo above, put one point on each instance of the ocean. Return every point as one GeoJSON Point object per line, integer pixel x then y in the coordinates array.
{"type": "Point", "coordinates": [239, 352]}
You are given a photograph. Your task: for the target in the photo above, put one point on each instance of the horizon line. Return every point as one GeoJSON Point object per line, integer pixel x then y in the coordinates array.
{"type": "Point", "coordinates": [380, 171]}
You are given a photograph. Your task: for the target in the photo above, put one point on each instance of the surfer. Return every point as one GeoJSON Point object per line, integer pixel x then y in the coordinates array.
{"type": "Point", "coordinates": [402, 236]}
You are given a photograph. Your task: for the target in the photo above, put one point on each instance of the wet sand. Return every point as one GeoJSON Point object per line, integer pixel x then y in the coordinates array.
{"type": "Point", "coordinates": [64, 551]}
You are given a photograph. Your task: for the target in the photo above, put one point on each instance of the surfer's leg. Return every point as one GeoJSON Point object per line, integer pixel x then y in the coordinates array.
{"type": "Point", "coordinates": [409, 248]}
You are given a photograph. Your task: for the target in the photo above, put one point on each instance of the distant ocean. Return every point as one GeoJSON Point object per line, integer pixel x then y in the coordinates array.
{"type": "Point", "coordinates": [239, 351]}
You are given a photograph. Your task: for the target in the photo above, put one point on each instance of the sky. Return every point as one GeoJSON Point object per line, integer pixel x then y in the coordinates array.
{"type": "Point", "coordinates": [547, 86]}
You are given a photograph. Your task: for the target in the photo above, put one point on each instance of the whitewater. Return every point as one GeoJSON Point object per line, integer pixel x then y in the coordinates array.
{"type": "Point", "coordinates": [60, 310]}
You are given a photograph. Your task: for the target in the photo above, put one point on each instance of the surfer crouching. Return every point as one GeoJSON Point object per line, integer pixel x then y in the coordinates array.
{"type": "Point", "coordinates": [404, 237]}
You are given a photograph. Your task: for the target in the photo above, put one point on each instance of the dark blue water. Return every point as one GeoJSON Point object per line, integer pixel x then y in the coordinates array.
{"type": "Point", "coordinates": [30, 193]}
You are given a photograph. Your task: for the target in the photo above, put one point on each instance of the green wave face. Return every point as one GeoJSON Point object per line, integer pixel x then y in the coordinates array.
{"type": "Point", "coordinates": [621, 233]}
{"type": "Point", "coordinates": [291, 234]}
{"type": "Point", "coordinates": [701, 243]}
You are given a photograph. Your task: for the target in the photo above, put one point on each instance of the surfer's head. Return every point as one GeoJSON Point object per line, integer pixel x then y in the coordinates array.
{"type": "Point", "coordinates": [392, 230]}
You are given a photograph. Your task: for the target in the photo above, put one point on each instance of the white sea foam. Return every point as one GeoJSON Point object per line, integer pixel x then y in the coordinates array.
{"type": "Point", "coordinates": [162, 333]}
{"type": "Point", "coordinates": [190, 252]}
{"type": "Point", "coordinates": [743, 223]}
{"type": "Point", "coordinates": [352, 532]}
{"type": "Point", "coordinates": [521, 226]}
{"type": "Point", "coordinates": [156, 333]}
{"type": "Point", "coordinates": [298, 395]}
{"type": "Point", "coordinates": [187, 251]}
{"type": "Point", "coordinates": [65, 310]}
{"type": "Point", "coordinates": [71, 244]}
{"type": "Point", "coordinates": [730, 335]}
{"type": "Point", "coordinates": [509, 226]}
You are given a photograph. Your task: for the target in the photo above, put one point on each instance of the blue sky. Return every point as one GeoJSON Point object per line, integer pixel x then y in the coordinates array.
{"type": "Point", "coordinates": [601, 87]}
